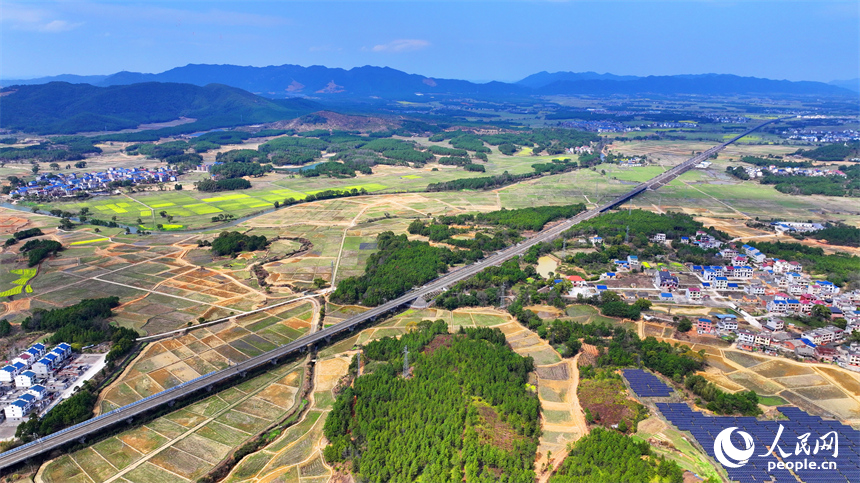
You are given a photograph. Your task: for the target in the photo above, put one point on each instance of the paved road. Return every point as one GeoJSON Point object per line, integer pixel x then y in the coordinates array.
{"type": "Point", "coordinates": [125, 414]}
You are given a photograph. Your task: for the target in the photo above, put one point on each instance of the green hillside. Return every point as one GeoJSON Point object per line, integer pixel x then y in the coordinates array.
{"type": "Point", "coordinates": [63, 108]}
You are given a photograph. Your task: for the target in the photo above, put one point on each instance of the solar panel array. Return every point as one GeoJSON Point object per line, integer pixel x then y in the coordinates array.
{"type": "Point", "coordinates": [706, 428]}
{"type": "Point", "coordinates": [645, 384]}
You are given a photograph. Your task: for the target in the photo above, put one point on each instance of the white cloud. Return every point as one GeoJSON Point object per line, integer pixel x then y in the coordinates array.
{"type": "Point", "coordinates": [35, 19]}
{"type": "Point", "coordinates": [402, 45]}
{"type": "Point", "coordinates": [58, 26]}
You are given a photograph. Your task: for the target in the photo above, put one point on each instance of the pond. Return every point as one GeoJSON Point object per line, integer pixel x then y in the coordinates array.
{"type": "Point", "coordinates": [546, 264]}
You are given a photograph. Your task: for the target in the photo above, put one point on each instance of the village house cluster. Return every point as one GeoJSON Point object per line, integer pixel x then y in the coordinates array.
{"type": "Point", "coordinates": [821, 136]}
{"type": "Point", "coordinates": [749, 281]}
{"type": "Point", "coordinates": [598, 126]}
{"type": "Point", "coordinates": [760, 171]}
{"type": "Point", "coordinates": [70, 184]}
{"type": "Point", "coordinates": [25, 379]}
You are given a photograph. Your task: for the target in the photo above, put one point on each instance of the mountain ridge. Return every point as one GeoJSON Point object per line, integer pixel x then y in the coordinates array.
{"type": "Point", "coordinates": [289, 80]}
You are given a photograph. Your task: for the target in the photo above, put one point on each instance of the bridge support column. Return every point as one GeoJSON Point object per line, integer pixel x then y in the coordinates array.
{"type": "Point", "coordinates": [129, 420]}
{"type": "Point", "coordinates": [82, 439]}
{"type": "Point", "coordinates": [243, 373]}
{"type": "Point", "coordinates": [328, 339]}
{"type": "Point", "coordinates": [171, 403]}
{"type": "Point", "coordinates": [273, 362]}
{"type": "Point", "coordinates": [209, 388]}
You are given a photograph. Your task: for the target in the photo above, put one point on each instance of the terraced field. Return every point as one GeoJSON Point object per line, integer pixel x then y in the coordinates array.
{"type": "Point", "coordinates": [183, 445]}
{"type": "Point", "coordinates": [169, 362]}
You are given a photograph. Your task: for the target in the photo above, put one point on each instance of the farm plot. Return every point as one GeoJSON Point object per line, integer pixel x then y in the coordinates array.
{"type": "Point", "coordinates": [755, 383]}
{"type": "Point", "coordinates": [298, 450]}
{"type": "Point", "coordinates": [169, 362]}
{"type": "Point", "coordinates": [744, 359]}
{"type": "Point", "coordinates": [185, 444]}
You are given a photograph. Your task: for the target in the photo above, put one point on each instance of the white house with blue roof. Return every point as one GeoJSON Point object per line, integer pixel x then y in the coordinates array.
{"type": "Point", "coordinates": [38, 391]}
{"type": "Point", "coordinates": [44, 366]}
{"type": "Point", "coordinates": [25, 379]}
{"type": "Point", "coordinates": [777, 306]}
{"type": "Point", "coordinates": [8, 373]}
{"type": "Point", "coordinates": [17, 410]}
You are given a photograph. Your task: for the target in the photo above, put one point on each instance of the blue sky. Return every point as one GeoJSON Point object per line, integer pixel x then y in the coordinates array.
{"type": "Point", "coordinates": [475, 40]}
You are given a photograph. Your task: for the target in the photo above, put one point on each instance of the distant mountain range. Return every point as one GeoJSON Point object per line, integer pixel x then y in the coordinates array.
{"type": "Point", "coordinates": [853, 84]}
{"type": "Point", "coordinates": [63, 108]}
{"type": "Point", "coordinates": [383, 82]}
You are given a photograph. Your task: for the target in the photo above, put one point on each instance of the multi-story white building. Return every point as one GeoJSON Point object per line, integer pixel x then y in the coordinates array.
{"type": "Point", "coordinates": [743, 271]}
{"type": "Point", "coordinates": [8, 373]}
{"type": "Point", "coordinates": [853, 357]}
{"type": "Point", "coordinates": [44, 366]}
{"type": "Point", "coordinates": [777, 306]}
{"type": "Point", "coordinates": [25, 379]}
{"type": "Point", "coordinates": [746, 337]}
{"type": "Point", "coordinates": [17, 409]}
{"type": "Point", "coordinates": [38, 391]}
{"type": "Point", "coordinates": [775, 324]}
{"type": "Point", "coordinates": [21, 407]}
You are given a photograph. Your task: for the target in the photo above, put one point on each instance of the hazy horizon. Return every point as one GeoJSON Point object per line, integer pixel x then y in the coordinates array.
{"type": "Point", "coordinates": [479, 41]}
